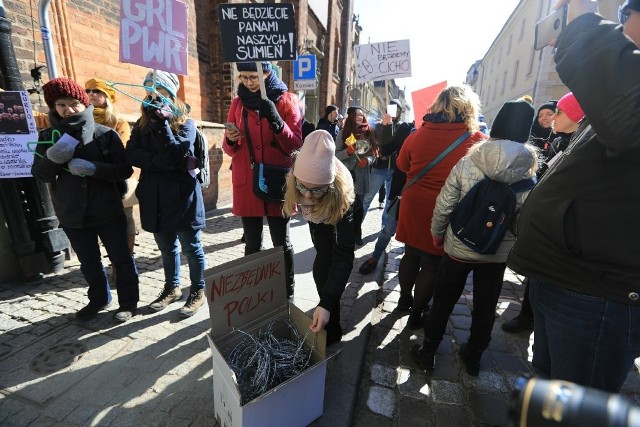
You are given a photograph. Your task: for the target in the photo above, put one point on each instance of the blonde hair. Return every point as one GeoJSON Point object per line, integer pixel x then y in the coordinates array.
{"type": "Point", "coordinates": [110, 114]}
{"type": "Point", "coordinates": [331, 206]}
{"type": "Point", "coordinates": [459, 101]}
{"type": "Point", "coordinates": [178, 118]}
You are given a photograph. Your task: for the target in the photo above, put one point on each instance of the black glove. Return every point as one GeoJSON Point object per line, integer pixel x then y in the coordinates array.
{"type": "Point", "coordinates": [269, 112]}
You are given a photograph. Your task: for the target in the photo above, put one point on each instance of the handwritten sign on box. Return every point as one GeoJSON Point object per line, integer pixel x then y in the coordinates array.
{"type": "Point", "coordinates": [154, 34]}
{"type": "Point", "coordinates": [246, 289]}
{"type": "Point", "coordinates": [257, 32]}
{"type": "Point", "coordinates": [382, 61]}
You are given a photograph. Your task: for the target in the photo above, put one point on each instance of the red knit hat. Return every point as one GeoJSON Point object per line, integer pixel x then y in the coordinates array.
{"type": "Point", "coordinates": [569, 105]}
{"type": "Point", "coordinates": [63, 87]}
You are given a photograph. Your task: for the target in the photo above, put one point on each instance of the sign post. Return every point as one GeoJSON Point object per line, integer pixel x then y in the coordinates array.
{"type": "Point", "coordinates": [304, 73]}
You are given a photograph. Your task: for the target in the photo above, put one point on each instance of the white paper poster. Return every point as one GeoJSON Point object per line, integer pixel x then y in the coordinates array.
{"type": "Point", "coordinates": [17, 128]}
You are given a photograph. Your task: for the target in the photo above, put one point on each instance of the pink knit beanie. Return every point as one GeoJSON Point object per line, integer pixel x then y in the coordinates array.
{"type": "Point", "coordinates": [569, 105]}
{"type": "Point", "coordinates": [314, 163]}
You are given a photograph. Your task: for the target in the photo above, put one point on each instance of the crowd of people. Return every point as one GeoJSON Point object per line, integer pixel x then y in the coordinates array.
{"type": "Point", "coordinates": [569, 235]}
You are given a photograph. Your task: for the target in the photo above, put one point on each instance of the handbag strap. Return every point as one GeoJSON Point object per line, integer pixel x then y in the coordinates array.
{"type": "Point", "coordinates": [435, 161]}
{"type": "Point", "coordinates": [247, 134]}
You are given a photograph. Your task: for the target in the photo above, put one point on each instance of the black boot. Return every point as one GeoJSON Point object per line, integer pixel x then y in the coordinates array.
{"type": "Point", "coordinates": [425, 356]}
{"type": "Point", "coordinates": [519, 323]}
{"type": "Point", "coordinates": [471, 360]}
{"type": "Point", "coordinates": [416, 320]}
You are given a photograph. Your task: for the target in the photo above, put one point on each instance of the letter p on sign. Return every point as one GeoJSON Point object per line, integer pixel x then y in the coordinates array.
{"type": "Point", "coordinates": [304, 68]}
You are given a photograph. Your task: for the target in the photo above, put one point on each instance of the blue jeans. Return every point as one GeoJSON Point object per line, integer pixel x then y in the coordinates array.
{"type": "Point", "coordinates": [584, 339]}
{"type": "Point", "coordinates": [191, 248]}
{"type": "Point", "coordinates": [113, 235]}
{"type": "Point", "coordinates": [376, 179]}
{"type": "Point", "coordinates": [388, 231]}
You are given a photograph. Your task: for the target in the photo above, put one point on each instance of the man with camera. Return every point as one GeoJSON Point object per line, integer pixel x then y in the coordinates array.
{"type": "Point", "coordinates": [578, 237]}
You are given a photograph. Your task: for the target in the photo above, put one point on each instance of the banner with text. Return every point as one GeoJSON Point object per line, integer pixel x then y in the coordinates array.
{"type": "Point", "coordinates": [257, 32]}
{"type": "Point", "coordinates": [17, 128]}
{"type": "Point", "coordinates": [154, 34]}
{"type": "Point", "coordinates": [382, 61]}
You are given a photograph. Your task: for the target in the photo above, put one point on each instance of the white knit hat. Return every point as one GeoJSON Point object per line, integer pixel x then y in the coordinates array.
{"type": "Point", "coordinates": [315, 162]}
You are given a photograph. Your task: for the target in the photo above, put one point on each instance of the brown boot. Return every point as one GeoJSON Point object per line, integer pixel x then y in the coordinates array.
{"type": "Point", "coordinates": [194, 301]}
{"type": "Point", "coordinates": [168, 295]}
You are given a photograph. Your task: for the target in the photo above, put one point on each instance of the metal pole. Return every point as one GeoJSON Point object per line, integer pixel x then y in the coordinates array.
{"type": "Point", "coordinates": [26, 202]}
{"type": "Point", "coordinates": [45, 31]}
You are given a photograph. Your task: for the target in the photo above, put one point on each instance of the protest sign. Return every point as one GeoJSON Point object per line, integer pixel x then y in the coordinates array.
{"type": "Point", "coordinates": [17, 128]}
{"type": "Point", "coordinates": [382, 61]}
{"type": "Point", "coordinates": [154, 34]}
{"type": "Point", "coordinates": [423, 99]}
{"type": "Point", "coordinates": [257, 32]}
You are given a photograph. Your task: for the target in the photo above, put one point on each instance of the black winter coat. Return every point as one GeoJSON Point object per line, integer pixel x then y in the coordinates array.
{"type": "Point", "coordinates": [335, 247]}
{"type": "Point", "coordinates": [85, 201]}
{"type": "Point", "coordinates": [579, 226]}
{"type": "Point", "coordinates": [170, 198]}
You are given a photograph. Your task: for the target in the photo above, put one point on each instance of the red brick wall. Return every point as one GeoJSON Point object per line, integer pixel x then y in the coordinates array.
{"type": "Point", "coordinates": [85, 35]}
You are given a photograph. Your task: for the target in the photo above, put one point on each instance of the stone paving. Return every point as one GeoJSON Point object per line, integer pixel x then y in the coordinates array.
{"type": "Point", "coordinates": [155, 370]}
{"type": "Point", "coordinates": [395, 392]}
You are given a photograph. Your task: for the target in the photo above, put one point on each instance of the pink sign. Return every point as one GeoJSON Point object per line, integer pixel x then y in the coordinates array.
{"type": "Point", "coordinates": [153, 33]}
{"type": "Point", "coordinates": [423, 99]}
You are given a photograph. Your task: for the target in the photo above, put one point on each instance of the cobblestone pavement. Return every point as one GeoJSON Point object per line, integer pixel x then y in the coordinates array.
{"type": "Point", "coordinates": [395, 392]}
{"type": "Point", "coordinates": [155, 370]}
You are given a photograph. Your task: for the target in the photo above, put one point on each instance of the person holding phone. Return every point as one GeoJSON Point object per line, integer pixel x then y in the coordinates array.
{"type": "Point", "coordinates": [577, 239]}
{"type": "Point", "coordinates": [274, 125]}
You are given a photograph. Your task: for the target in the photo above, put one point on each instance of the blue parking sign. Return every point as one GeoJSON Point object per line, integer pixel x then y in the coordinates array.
{"type": "Point", "coordinates": [304, 68]}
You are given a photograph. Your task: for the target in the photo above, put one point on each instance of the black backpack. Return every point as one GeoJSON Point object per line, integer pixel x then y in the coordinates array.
{"type": "Point", "coordinates": [481, 219]}
{"type": "Point", "coordinates": [201, 148]}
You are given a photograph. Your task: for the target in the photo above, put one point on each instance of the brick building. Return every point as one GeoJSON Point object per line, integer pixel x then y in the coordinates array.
{"type": "Point", "coordinates": [85, 37]}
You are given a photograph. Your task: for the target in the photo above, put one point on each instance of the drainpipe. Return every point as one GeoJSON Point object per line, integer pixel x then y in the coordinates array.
{"type": "Point", "coordinates": [45, 31]}
{"type": "Point", "coordinates": [346, 53]}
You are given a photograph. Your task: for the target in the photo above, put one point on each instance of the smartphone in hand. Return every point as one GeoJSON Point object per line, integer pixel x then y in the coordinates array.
{"type": "Point", "coordinates": [549, 27]}
{"type": "Point", "coordinates": [231, 127]}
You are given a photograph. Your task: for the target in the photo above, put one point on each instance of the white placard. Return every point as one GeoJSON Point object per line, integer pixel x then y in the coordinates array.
{"type": "Point", "coordinates": [382, 61]}
{"type": "Point", "coordinates": [17, 128]}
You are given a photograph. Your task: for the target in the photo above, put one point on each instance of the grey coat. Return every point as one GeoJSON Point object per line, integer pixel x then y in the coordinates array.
{"type": "Point", "coordinates": [501, 160]}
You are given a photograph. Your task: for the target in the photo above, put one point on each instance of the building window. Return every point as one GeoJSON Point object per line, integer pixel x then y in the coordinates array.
{"type": "Point", "coordinates": [522, 27]}
{"type": "Point", "coordinates": [504, 83]}
{"type": "Point", "coordinates": [515, 74]}
{"type": "Point", "coordinates": [509, 45]}
{"type": "Point", "coordinates": [531, 60]}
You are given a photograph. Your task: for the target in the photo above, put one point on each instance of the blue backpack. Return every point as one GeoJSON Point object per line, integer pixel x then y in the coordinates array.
{"type": "Point", "coordinates": [481, 219]}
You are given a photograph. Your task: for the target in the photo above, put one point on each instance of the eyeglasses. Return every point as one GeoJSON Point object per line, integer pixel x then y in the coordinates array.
{"type": "Point", "coordinates": [96, 91]}
{"type": "Point", "coordinates": [622, 15]}
{"type": "Point", "coordinates": [249, 78]}
{"type": "Point", "coordinates": [315, 192]}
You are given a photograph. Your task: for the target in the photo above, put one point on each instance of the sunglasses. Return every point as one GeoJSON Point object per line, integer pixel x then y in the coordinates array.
{"type": "Point", "coordinates": [315, 192]}
{"type": "Point", "coordinates": [96, 91]}
{"type": "Point", "coordinates": [622, 15]}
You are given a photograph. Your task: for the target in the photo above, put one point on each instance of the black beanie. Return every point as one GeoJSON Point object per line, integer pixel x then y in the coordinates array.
{"type": "Point", "coordinates": [631, 4]}
{"type": "Point", "coordinates": [549, 105]}
{"type": "Point", "coordinates": [251, 66]}
{"type": "Point", "coordinates": [513, 121]}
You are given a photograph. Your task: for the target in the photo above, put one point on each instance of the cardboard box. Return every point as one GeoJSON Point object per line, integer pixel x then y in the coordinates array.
{"type": "Point", "coordinates": [248, 294]}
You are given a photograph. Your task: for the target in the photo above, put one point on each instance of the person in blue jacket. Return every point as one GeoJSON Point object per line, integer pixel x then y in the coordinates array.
{"type": "Point", "coordinates": [169, 194]}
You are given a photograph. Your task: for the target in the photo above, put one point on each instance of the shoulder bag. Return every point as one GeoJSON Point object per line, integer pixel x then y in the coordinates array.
{"type": "Point", "coordinates": [394, 206]}
{"type": "Point", "coordinates": [268, 180]}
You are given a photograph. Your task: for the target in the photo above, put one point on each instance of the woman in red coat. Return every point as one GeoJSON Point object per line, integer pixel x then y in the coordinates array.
{"type": "Point", "coordinates": [454, 112]}
{"type": "Point", "coordinates": [274, 126]}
